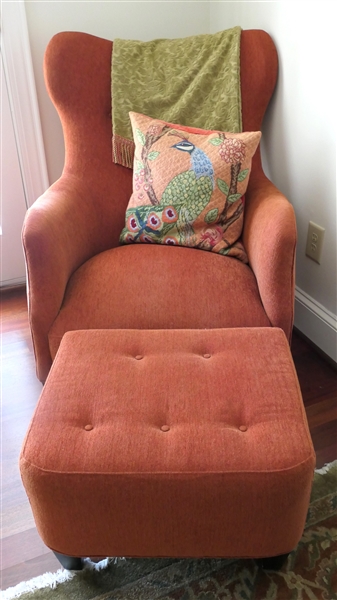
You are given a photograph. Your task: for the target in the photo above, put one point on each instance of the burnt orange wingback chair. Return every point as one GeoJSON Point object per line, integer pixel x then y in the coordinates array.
{"type": "Point", "coordinates": [78, 275]}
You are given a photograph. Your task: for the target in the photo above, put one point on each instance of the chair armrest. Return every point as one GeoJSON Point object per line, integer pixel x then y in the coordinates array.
{"type": "Point", "coordinates": [68, 225]}
{"type": "Point", "coordinates": [269, 238]}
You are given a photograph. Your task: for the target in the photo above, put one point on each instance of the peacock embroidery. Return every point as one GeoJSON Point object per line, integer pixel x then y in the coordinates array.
{"type": "Point", "coordinates": [179, 215]}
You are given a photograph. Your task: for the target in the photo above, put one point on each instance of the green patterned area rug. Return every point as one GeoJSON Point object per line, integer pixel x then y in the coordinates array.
{"type": "Point", "coordinates": [310, 572]}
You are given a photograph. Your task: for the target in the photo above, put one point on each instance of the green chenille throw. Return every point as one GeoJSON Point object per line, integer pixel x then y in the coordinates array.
{"type": "Point", "coordinates": [193, 81]}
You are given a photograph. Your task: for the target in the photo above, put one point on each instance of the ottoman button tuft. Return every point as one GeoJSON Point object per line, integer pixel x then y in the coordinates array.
{"type": "Point", "coordinates": [139, 357]}
{"type": "Point", "coordinates": [165, 428]}
{"type": "Point", "coordinates": [243, 428]}
{"type": "Point", "coordinates": [207, 356]}
{"type": "Point", "coordinates": [88, 427]}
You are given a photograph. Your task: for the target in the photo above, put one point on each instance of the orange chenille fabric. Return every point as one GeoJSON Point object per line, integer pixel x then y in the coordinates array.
{"type": "Point", "coordinates": [170, 443]}
{"type": "Point", "coordinates": [181, 289]}
{"type": "Point", "coordinates": [83, 213]}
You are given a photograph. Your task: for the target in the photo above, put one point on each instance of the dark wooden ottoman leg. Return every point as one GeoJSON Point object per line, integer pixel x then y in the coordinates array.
{"type": "Point", "coordinates": [272, 563]}
{"type": "Point", "coordinates": [71, 563]}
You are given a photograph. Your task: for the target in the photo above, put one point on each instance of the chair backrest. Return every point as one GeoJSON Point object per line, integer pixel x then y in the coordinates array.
{"type": "Point", "coordinates": [78, 72]}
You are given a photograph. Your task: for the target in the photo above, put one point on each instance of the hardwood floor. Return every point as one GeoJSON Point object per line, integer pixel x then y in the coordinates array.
{"type": "Point", "coordinates": [23, 554]}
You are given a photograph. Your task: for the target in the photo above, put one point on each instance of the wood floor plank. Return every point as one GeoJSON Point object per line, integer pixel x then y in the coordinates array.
{"type": "Point", "coordinates": [18, 517]}
{"type": "Point", "coordinates": [22, 547]}
{"type": "Point", "coordinates": [324, 434]}
{"type": "Point", "coordinates": [318, 380]}
{"type": "Point", "coordinates": [322, 412]}
{"type": "Point", "coordinates": [325, 455]}
{"type": "Point", "coordinates": [26, 570]}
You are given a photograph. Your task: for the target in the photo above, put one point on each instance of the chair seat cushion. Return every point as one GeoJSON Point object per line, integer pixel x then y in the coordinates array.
{"type": "Point", "coordinates": [159, 287]}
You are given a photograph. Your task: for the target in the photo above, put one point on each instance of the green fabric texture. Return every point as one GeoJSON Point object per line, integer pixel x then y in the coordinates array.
{"type": "Point", "coordinates": [193, 81]}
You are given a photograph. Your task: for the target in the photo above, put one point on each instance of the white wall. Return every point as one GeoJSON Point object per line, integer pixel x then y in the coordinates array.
{"type": "Point", "coordinates": [129, 20]}
{"type": "Point", "coordinates": [299, 139]}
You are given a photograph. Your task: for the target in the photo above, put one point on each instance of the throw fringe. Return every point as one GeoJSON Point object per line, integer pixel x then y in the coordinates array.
{"type": "Point", "coordinates": [123, 151]}
{"type": "Point", "coordinates": [52, 580]}
{"type": "Point", "coordinates": [326, 468]}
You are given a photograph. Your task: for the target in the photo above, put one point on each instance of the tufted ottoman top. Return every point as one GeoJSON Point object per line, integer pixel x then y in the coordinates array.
{"type": "Point", "coordinates": [221, 404]}
{"type": "Point", "coordinates": [173, 400]}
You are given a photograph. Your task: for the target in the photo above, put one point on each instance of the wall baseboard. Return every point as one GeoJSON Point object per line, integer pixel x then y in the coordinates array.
{"type": "Point", "coordinates": [316, 322]}
{"type": "Point", "coordinates": [11, 283]}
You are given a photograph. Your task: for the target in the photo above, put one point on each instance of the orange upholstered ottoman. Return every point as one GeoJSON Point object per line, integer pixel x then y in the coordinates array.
{"type": "Point", "coordinates": [181, 443]}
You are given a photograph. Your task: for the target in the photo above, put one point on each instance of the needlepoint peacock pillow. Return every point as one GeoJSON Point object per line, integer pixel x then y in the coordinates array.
{"type": "Point", "coordinates": [188, 186]}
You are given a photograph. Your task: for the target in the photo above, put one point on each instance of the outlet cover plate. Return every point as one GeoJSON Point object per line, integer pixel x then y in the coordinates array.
{"type": "Point", "coordinates": [315, 241]}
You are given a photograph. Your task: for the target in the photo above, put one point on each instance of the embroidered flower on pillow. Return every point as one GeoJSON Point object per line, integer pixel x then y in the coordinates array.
{"type": "Point", "coordinates": [188, 186]}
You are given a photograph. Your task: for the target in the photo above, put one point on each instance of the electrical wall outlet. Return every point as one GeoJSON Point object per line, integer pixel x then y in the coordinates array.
{"type": "Point", "coordinates": [315, 241]}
